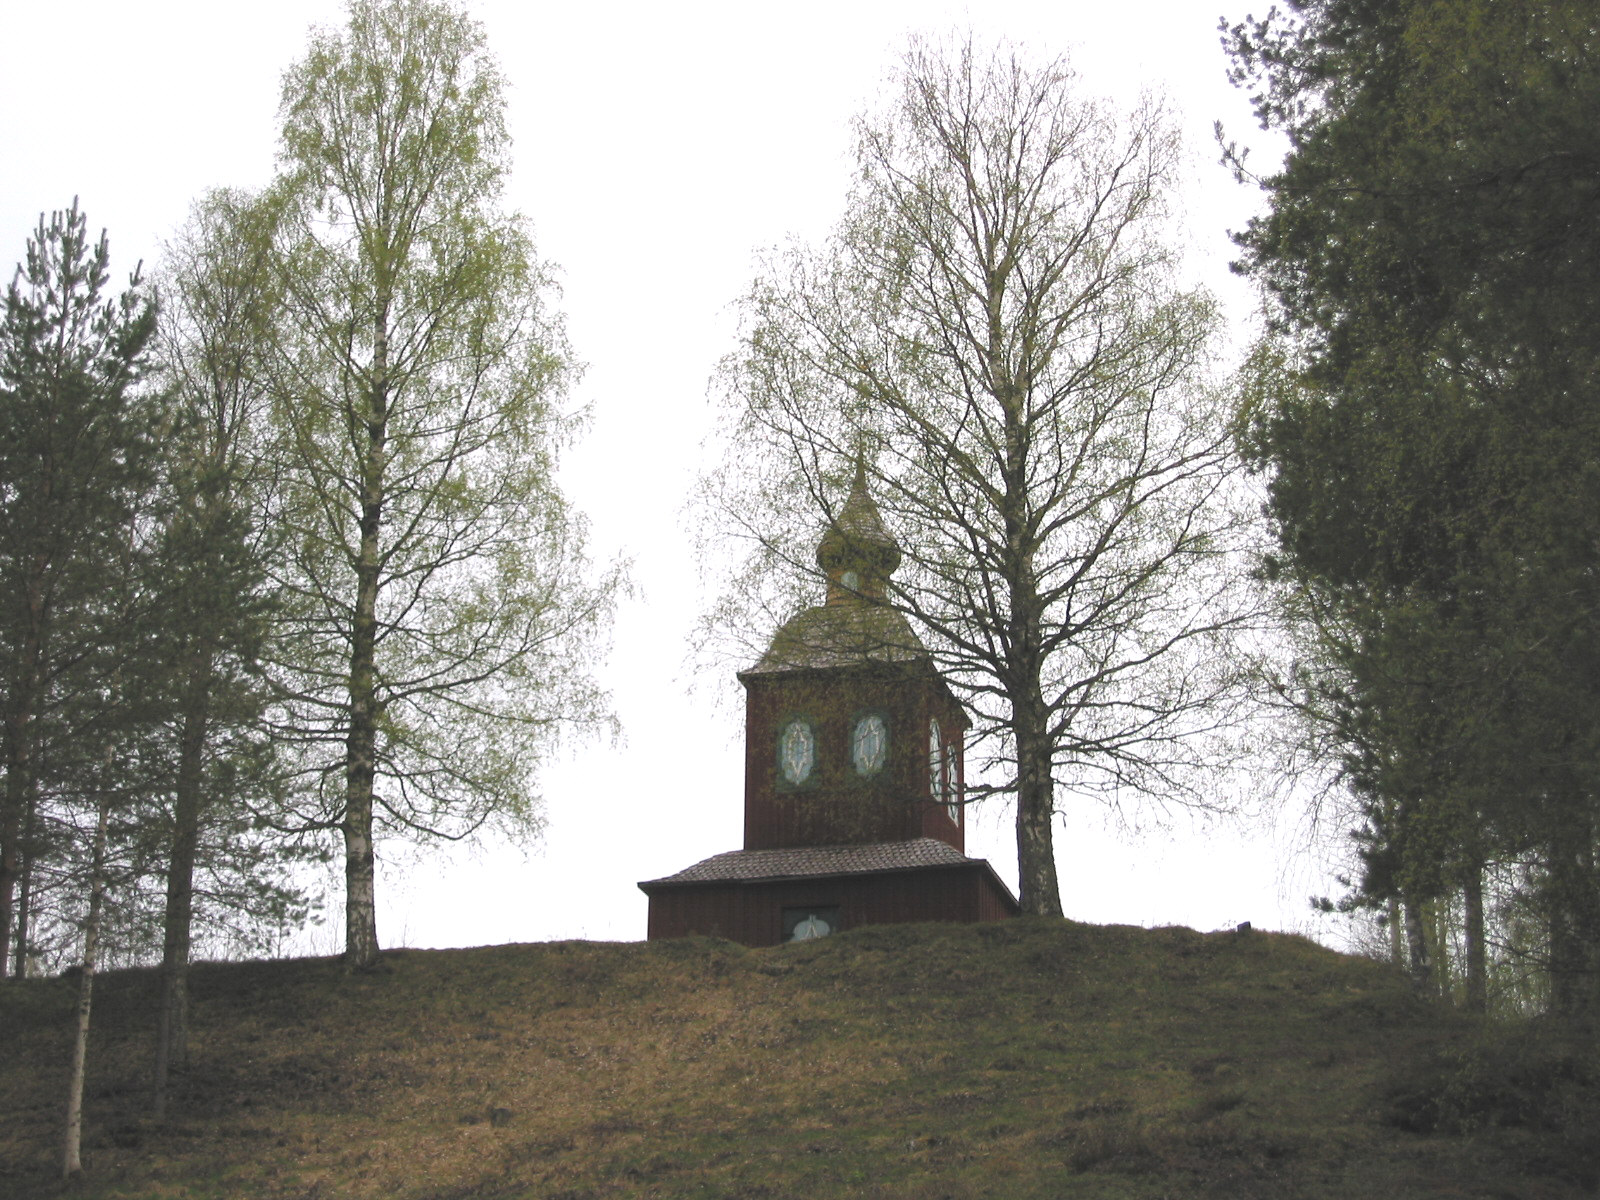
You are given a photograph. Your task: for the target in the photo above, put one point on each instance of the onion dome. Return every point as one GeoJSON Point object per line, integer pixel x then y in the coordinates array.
{"type": "Point", "coordinates": [857, 553]}
{"type": "Point", "coordinates": [854, 627]}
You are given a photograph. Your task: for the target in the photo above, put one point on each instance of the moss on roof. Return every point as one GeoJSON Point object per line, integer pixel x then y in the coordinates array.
{"type": "Point", "coordinates": [841, 635]}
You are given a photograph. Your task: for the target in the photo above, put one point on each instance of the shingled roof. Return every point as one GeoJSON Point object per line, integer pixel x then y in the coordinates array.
{"type": "Point", "coordinates": [858, 530]}
{"type": "Point", "coordinates": [749, 866]}
{"type": "Point", "coordinates": [840, 635]}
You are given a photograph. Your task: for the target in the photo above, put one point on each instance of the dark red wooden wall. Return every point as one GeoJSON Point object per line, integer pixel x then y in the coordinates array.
{"type": "Point", "coordinates": [752, 913]}
{"type": "Point", "coordinates": [841, 808]}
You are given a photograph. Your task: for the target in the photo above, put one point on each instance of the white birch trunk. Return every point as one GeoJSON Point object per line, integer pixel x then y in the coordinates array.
{"type": "Point", "coordinates": [71, 1162]}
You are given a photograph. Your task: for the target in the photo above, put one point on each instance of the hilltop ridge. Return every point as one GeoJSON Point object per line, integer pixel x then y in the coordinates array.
{"type": "Point", "coordinates": [1028, 1058]}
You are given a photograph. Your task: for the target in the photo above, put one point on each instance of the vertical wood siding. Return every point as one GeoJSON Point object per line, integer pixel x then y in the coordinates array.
{"type": "Point", "coordinates": [752, 913]}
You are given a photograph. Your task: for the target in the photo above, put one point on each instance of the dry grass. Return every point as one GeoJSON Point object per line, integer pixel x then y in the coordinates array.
{"type": "Point", "coordinates": [1028, 1059]}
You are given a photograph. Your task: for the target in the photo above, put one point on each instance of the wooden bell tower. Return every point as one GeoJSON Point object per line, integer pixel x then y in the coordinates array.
{"type": "Point", "coordinates": [854, 778]}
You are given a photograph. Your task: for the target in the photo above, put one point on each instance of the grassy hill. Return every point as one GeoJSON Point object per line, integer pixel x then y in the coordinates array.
{"type": "Point", "coordinates": [1026, 1059]}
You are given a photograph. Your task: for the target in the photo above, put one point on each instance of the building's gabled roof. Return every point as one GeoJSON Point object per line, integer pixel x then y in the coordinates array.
{"type": "Point", "coordinates": [749, 866]}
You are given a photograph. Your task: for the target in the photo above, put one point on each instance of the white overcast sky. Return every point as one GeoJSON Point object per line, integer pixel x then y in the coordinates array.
{"type": "Point", "coordinates": [657, 147]}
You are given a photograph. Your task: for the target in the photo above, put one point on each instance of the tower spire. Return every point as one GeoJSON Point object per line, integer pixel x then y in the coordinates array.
{"type": "Point", "coordinates": [857, 552]}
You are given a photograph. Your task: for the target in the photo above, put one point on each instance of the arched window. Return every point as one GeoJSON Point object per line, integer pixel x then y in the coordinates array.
{"type": "Point", "coordinates": [952, 782]}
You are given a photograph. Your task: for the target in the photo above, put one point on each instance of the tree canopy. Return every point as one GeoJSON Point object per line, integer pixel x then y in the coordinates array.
{"type": "Point", "coordinates": [442, 615]}
{"type": "Point", "coordinates": [996, 335]}
{"type": "Point", "coordinates": [78, 461]}
{"type": "Point", "coordinates": [1430, 428]}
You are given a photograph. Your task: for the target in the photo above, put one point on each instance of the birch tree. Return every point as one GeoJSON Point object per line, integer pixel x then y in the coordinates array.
{"type": "Point", "coordinates": [443, 612]}
{"type": "Point", "coordinates": [996, 330]}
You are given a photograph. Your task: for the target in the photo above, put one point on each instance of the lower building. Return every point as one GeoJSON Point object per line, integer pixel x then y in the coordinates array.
{"type": "Point", "coordinates": [763, 897]}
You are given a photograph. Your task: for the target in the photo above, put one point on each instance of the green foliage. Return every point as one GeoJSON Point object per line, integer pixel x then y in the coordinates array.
{"type": "Point", "coordinates": [133, 587]}
{"type": "Point", "coordinates": [442, 617]}
{"type": "Point", "coordinates": [998, 330]}
{"type": "Point", "coordinates": [1431, 432]}
{"type": "Point", "coordinates": [221, 785]}
{"type": "Point", "coordinates": [79, 440]}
